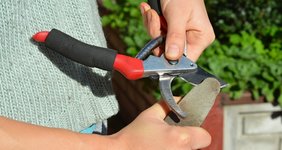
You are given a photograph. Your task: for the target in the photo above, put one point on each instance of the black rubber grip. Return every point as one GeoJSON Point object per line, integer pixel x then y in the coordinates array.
{"type": "Point", "coordinates": [156, 5]}
{"type": "Point", "coordinates": [147, 49]}
{"type": "Point", "coordinates": [89, 55]}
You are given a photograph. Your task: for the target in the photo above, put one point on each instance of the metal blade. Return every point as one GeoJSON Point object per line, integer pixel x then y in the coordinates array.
{"type": "Point", "coordinates": [197, 103]}
{"type": "Point", "coordinates": [200, 75]}
{"type": "Point", "coordinates": [165, 88]}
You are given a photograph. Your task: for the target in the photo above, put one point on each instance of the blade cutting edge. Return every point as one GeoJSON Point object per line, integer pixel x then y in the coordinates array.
{"type": "Point", "coordinates": [199, 76]}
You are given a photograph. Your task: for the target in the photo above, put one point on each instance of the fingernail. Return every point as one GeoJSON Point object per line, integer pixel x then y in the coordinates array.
{"type": "Point", "coordinates": [172, 50]}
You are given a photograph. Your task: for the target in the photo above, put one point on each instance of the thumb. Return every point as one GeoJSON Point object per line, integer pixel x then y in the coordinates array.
{"type": "Point", "coordinates": [176, 37]}
{"type": "Point", "coordinates": [159, 110]}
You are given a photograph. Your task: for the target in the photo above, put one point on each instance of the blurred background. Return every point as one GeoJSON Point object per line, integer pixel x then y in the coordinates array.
{"type": "Point", "coordinates": [247, 53]}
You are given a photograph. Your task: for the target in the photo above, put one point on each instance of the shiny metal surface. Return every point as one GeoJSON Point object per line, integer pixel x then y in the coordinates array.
{"type": "Point", "coordinates": [165, 88]}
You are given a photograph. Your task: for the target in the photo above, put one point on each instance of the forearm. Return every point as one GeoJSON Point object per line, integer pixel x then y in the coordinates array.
{"type": "Point", "coordinates": [15, 135]}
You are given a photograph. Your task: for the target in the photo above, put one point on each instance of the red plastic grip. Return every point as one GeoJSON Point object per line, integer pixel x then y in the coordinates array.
{"type": "Point", "coordinates": [40, 36]}
{"type": "Point", "coordinates": [131, 68]}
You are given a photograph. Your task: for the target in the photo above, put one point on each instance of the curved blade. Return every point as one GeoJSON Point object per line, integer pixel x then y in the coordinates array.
{"type": "Point", "coordinates": [198, 76]}
{"type": "Point", "coordinates": [197, 103]}
{"type": "Point", "coordinates": [165, 88]}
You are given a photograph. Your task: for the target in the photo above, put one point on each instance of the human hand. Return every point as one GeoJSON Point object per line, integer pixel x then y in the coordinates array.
{"type": "Point", "coordinates": [187, 23]}
{"type": "Point", "coordinates": [149, 131]}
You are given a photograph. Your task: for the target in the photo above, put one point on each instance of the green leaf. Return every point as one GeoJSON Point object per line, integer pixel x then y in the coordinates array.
{"type": "Point", "coordinates": [129, 41]}
{"type": "Point", "coordinates": [235, 39]}
{"type": "Point", "coordinates": [134, 13]}
{"type": "Point", "coordinates": [111, 5]}
{"type": "Point", "coordinates": [255, 94]}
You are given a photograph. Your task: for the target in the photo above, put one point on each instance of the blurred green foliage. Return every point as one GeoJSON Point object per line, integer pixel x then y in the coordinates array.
{"type": "Point", "coordinates": [126, 17]}
{"type": "Point", "coordinates": [247, 52]}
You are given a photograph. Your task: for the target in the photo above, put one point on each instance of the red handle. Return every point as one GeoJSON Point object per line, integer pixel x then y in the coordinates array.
{"type": "Point", "coordinates": [40, 36]}
{"type": "Point", "coordinates": [131, 68]}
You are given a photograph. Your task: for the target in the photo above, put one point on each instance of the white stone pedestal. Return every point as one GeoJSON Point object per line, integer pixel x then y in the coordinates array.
{"type": "Point", "coordinates": [252, 127]}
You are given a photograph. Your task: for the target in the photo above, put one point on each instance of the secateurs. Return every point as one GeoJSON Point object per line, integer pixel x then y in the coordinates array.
{"type": "Point", "coordinates": [131, 68]}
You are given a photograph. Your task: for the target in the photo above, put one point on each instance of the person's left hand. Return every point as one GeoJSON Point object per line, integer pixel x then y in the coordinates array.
{"type": "Point", "coordinates": [149, 131]}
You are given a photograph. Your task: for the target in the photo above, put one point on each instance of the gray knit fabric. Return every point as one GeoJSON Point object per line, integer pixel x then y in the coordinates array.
{"type": "Point", "coordinates": [40, 86]}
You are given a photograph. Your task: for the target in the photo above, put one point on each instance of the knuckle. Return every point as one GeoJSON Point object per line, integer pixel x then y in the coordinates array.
{"type": "Point", "coordinates": [210, 35]}
{"type": "Point", "coordinates": [153, 32]}
{"type": "Point", "coordinates": [184, 139]}
{"type": "Point", "coordinates": [175, 35]}
{"type": "Point", "coordinates": [181, 138]}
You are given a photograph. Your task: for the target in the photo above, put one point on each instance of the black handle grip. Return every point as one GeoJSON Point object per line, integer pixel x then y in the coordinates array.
{"type": "Point", "coordinates": [147, 49]}
{"type": "Point", "coordinates": [156, 5]}
{"type": "Point", "coordinates": [80, 52]}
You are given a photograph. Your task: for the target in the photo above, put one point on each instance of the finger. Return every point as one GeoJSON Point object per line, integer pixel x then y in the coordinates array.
{"type": "Point", "coordinates": [151, 20]}
{"type": "Point", "coordinates": [154, 28]}
{"type": "Point", "coordinates": [144, 7]}
{"type": "Point", "coordinates": [176, 36]}
{"type": "Point", "coordinates": [154, 25]}
{"type": "Point", "coordinates": [195, 137]}
{"type": "Point", "coordinates": [158, 51]}
{"type": "Point", "coordinates": [160, 109]}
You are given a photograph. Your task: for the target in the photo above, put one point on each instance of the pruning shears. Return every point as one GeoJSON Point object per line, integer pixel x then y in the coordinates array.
{"type": "Point", "coordinates": [144, 65]}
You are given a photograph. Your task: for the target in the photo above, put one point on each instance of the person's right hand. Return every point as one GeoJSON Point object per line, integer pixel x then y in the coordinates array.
{"type": "Point", "coordinates": [149, 131]}
{"type": "Point", "coordinates": [186, 24]}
